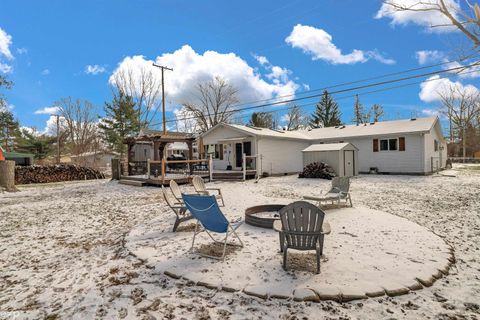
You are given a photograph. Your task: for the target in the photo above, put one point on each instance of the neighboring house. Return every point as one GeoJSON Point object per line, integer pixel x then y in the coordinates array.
{"type": "Point", "coordinates": [476, 154]}
{"type": "Point", "coordinates": [413, 146]}
{"type": "Point", "coordinates": [100, 160]}
{"type": "Point", "coordinates": [21, 159]}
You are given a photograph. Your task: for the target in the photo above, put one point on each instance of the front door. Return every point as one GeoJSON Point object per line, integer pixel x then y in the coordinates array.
{"type": "Point", "coordinates": [238, 155]}
{"type": "Point", "coordinates": [349, 163]}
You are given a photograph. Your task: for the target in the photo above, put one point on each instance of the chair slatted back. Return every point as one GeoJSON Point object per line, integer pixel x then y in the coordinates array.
{"type": "Point", "coordinates": [341, 183]}
{"type": "Point", "coordinates": [166, 198]}
{"type": "Point", "coordinates": [177, 193]}
{"type": "Point", "coordinates": [301, 224]}
{"type": "Point", "coordinates": [198, 184]}
{"type": "Point", "coordinates": [205, 209]}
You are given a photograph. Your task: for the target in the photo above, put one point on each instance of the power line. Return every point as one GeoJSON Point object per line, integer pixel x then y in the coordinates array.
{"type": "Point", "coordinates": [341, 91]}
{"type": "Point", "coordinates": [276, 99]}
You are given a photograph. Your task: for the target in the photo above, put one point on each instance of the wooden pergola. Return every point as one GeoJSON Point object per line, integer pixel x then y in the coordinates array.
{"type": "Point", "coordinates": [160, 141]}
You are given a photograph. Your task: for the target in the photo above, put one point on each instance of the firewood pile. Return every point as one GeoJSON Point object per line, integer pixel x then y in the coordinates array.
{"type": "Point", "coordinates": [318, 170]}
{"type": "Point", "coordinates": [54, 173]}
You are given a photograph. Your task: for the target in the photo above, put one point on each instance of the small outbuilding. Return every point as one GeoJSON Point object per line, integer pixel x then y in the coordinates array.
{"type": "Point", "coordinates": [342, 157]}
{"type": "Point", "coordinates": [21, 159]}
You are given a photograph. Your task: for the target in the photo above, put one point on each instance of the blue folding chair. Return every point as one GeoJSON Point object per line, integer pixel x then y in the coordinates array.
{"type": "Point", "coordinates": [205, 209]}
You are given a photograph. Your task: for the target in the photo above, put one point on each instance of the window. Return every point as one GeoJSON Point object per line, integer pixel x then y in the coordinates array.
{"type": "Point", "coordinates": [384, 145]}
{"type": "Point", "coordinates": [215, 150]}
{"type": "Point", "coordinates": [388, 145]}
{"type": "Point", "coordinates": [392, 144]}
{"type": "Point", "coordinates": [435, 145]}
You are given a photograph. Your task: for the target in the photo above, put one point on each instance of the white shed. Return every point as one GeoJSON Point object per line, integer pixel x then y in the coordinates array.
{"type": "Point", "coordinates": [342, 157]}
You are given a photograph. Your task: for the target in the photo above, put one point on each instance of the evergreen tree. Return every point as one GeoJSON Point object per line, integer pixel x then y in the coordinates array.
{"type": "Point", "coordinates": [327, 113]}
{"type": "Point", "coordinates": [358, 113]}
{"type": "Point", "coordinates": [9, 129]}
{"type": "Point", "coordinates": [262, 120]}
{"type": "Point", "coordinates": [120, 121]}
{"type": "Point", "coordinates": [41, 146]}
{"type": "Point", "coordinates": [377, 112]}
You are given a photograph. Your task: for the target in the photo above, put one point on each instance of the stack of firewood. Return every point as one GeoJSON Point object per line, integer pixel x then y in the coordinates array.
{"type": "Point", "coordinates": [55, 173]}
{"type": "Point", "coordinates": [318, 170]}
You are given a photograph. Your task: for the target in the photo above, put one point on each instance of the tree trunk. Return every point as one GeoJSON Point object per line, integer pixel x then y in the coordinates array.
{"type": "Point", "coordinates": [464, 143]}
{"type": "Point", "coordinates": [7, 175]}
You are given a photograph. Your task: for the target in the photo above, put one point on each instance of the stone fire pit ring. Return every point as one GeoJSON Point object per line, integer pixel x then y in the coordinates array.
{"type": "Point", "coordinates": [254, 217]}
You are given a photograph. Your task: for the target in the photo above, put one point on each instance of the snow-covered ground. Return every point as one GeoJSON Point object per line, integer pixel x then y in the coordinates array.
{"type": "Point", "coordinates": [63, 255]}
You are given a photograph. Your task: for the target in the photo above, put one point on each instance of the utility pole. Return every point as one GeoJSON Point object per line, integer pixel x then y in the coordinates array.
{"type": "Point", "coordinates": [163, 68]}
{"type": "Point", "coordinates": [58, 139]}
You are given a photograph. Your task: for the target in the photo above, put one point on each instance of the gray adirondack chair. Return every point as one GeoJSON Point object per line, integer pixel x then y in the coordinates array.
{"type": "Point", "coordinates": [178, 208]}
{"type": "Point", "coordinates": [340, 190]}
{"type": "Point", "coordinates": [302, 229]}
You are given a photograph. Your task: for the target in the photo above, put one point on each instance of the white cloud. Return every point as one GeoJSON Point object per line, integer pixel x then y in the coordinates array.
{"type": "Point", "coordinates": [94, 69]}
{"type": "Point", "coordinates": [5, 42]}
{"type": "Point", "coordinates": [45, 72]}
{"type": "Point", "coordinates": [432, 89]}
{"type": "Point", "coordinates": [425, 18]}
{"type": "Point", "coordinates": [190, 68]}
{"type": "Point", "coordinates": [429, 56]}
{"type": "Point", "coordinates": [22, 50]}
{"type": "Point", "coordinates": [318, 43]}
{"type": "Point", "coordinates": [430, 112]}
{"type": "Point", "coordinates": [374, 54]}
{"type": "Point", "coordinates": [47, 110]}
{"type": "Point", "coordinates": [261, 59]}
{"type": "Point", "coordinates": [5, 68]}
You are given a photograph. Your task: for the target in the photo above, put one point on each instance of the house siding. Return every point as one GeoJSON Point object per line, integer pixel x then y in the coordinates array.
{"type": "Point", "coordinates": [409, 161]}
{"type": "Point", "coordinates": [435, 158]}
{"type": "Point", "coordinates": [281, 156]}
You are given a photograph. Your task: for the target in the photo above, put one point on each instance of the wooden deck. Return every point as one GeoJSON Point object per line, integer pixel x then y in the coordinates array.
{"type": "Point", "coordinates": [152, 181]}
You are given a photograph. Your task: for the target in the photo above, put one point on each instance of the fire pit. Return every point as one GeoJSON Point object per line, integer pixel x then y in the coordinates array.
{"type": "Point", "coordinates": [263, 216]}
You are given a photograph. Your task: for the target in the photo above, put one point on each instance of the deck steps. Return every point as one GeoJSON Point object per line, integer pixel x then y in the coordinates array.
{"type": "Point", "coordinates": [135, 183]}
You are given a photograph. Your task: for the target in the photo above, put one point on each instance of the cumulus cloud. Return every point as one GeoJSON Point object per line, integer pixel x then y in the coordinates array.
{"type": "Point", "coordinates": [47, 110]}
{"type": "Point", "coordinates": [22, 50]}
{"type": "Point", "coordinates": [434, 87]}
{"type": "Point", "coordinates": [5, 68]}
{"type": "Point", "coordinates": [5, 53]}
{"type": "Point", "coordinates": [45, 72]}
{"type": "Point", "coordinates": [5, 42]}
{"type": "Point", "coordinates": [429, 56]}
{"type": "Point", "coordinates": [190, 68]}
{"type": "Point", "coordinates": [261, 59]}
{"type": "Point", "coordinates": [318, 43]}
{"type": "Point", "coordinates": [94, 69]}
{"type": "Point", "coordinates": [426, 17]}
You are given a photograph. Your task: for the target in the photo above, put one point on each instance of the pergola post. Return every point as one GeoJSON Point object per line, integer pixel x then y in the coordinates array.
{"type": "Point", "coordinates": [190, 155]}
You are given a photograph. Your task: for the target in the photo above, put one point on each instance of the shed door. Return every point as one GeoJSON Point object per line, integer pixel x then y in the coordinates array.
{"type": "Point", "coordinates": [349, 165]}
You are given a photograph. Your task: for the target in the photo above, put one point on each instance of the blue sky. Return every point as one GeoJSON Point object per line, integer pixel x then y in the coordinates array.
{"type": "Point", "coordinates": [308, 44]}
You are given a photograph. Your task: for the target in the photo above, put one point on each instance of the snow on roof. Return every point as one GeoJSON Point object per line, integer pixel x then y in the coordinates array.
{"type": "Point", "coordinates": [374, 129]}
{"type": "Point", "coordinates": [327, 147]}
{"type": "Point", "coordinates": [345, 131]}
{"type": "Point", "coordinates": [266, 132]}
{"type": "Point", "coordinates": [177, 146]}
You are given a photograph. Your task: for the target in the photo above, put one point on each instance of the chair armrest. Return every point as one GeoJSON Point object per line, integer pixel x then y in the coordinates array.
{"type": "Point", "coordinates": [215, 189]}
{"type": "Point", "coordinates": [326, 229]}
{"type": "Point", "coordinates": [203, 192]}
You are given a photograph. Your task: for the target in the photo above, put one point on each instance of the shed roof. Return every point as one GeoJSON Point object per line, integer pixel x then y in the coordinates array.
{"type": "Point", "coordinates": [17, 155]}
{"type": "Point", "coordinates": [329, 147]}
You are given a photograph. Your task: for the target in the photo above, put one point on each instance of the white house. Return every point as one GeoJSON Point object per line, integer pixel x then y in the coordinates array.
{"type": "Point", "coordinates": [413, 146]}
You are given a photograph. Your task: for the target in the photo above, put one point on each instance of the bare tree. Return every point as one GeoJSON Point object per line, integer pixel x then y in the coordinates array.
{"type": "Point", "coordinates": [462, 107]}
{"type": "Point", "coordinates": [377, 112]}
{"type": "Point", "coordinates": [295, 119]}
{"type": "Point", "coordinates": [467, 22]}
{"type": "Point", "coordinates": [185, 121]}
{"type": "Point", "coordinates": [79, 120]}
{"type": "Point", "coordinates": [143, 85]}
{"type": "Point", "coordinates": [214, 101]}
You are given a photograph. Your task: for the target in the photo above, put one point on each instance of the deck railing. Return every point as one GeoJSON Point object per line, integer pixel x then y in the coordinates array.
{"type": "Point", "coordinates": [178, 169]}
{"type": "Point", "coordinates": [250, 163]}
